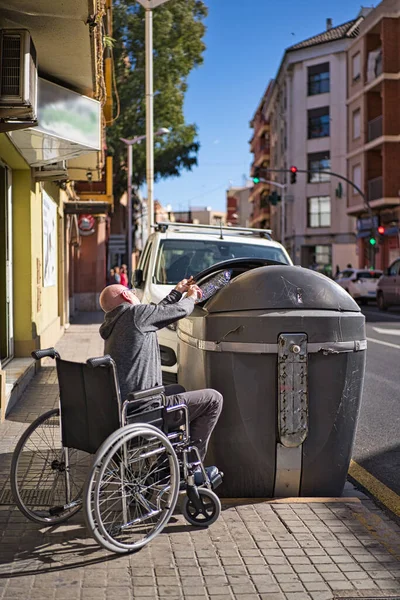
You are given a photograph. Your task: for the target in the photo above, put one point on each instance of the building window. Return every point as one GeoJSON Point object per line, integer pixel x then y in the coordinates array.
{"type": "Point", "coordinates": [319, 161]}
{"type": "Point", "coordinates": [356, 124]}
{"type": "Point", "coordinates": [356, 66]}
{"type": "Point", "coordinates": [356, 178]}
{"type": "Point", "coordinates": [318, 122]}
{"type": "Point", "coordinates": [318, 79]}
{"type": "Point", "coordinates": [319, 211]}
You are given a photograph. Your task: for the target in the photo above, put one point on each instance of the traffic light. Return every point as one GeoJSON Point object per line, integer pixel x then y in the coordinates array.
{"type": "Point", "coordinates": [381, 230]}
{"type": "Point", "coordinates": [293, 174]}
{"type": "Point", "coordinates": [257, 175]}
{"type": "Point", "coordinates": [274, 198]}
{"type": "Point", "coordinates": [372, 241]}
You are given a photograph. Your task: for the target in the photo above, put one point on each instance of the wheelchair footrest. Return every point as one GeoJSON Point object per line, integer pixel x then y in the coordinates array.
{"type": "Point", "coordinates": [214, 474]}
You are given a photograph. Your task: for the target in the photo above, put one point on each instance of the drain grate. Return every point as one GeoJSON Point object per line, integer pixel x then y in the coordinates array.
{"type": "Point", "coordinates": [29, 497]}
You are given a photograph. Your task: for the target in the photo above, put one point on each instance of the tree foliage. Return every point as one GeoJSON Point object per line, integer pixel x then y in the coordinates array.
{"type": "Point", "coordinates": [178, 31]}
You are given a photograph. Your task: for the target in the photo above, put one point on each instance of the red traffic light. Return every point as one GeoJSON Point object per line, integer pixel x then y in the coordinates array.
{"type": "Point", "coordinates": [381, 230]}
{"type": "Point", "coordinates": [293, 169]}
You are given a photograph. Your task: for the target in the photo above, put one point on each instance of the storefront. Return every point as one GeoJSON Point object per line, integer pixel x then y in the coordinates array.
{"type": "Point", "coordinates": [33, 191]}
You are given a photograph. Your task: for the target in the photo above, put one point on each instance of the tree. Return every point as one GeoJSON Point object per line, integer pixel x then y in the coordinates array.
{"type": "Point", "coordinates": [178, 31]}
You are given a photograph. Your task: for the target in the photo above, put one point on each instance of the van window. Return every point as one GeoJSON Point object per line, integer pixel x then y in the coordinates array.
{"type": "Point", "coordinates": [178, 259]}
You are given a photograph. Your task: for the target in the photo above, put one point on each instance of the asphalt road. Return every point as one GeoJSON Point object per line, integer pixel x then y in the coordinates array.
{"type": "Point", "coordinates": [377, 446]}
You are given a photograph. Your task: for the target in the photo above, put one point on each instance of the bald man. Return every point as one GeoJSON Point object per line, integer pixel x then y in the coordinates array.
{"type": "Point", "coordinates": [130, 334]}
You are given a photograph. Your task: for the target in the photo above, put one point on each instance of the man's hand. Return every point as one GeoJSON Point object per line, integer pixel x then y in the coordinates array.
{"type": "Point", "coordinates": [194, 292]}
{"type": "Point", "coordinates": [184, 285]}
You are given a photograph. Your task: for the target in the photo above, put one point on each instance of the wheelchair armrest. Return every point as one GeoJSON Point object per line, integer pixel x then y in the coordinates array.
{"type": "Point", "coordinates": [100, 361]}
{"type": "Point", "coordinates": [160, 389]}
{"type": "Point", "coordinates": [39, 354]}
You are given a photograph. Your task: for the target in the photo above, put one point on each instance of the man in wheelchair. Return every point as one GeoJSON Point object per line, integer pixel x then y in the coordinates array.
{"type": "Point", "coordinates": [130, 333]}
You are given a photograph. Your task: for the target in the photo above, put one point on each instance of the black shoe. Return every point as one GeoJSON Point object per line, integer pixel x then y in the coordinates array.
{"type": "Point", "coordinates": [214, 475]}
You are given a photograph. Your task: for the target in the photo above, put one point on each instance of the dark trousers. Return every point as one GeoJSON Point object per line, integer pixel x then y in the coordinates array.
{"type": "Point", "coordinates": [204, 406]}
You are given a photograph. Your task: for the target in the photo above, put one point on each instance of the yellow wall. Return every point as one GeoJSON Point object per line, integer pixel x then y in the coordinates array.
{"type": "Point", "coordinates": [37, 309]}
{"type": "Point", "coordinates": [22, 267]}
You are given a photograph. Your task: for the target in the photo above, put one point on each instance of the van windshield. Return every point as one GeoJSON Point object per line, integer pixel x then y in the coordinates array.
{"type": "Point", "coordinates": [178, 259]}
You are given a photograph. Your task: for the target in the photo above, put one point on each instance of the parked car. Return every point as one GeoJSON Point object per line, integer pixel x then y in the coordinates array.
{"type": "Point", "coordinates": [361, 284]}
{"type": "Point", "coordinates": [176, 250]}
{"type": "Point", "coordinates": [388, 290]}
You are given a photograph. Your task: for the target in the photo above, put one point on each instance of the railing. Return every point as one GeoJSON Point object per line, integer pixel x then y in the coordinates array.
{"type": "Point", "coordinates": [375, 188]}
{"type": "Point", "coordinates": [375, 128]}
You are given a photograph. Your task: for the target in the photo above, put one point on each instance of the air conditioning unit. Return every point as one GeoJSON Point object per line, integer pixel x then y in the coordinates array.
{"type": "Point", "coordinates": [54, 172]}
{"type": "Point", "coordinates": [18, 79]}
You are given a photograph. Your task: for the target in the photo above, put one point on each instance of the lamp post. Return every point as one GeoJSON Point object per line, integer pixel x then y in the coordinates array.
{"type": "Point", "coordinates": [129, 144]}
{"type": "Point", "coordinates": [149, 5]}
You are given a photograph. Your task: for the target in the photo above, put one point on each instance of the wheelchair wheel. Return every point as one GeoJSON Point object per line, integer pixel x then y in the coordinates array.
{"type": "Point", "coordinates": [136, 488]}
{"type": "Point", "coordinates": [211, 509]}
{"type": "Point", "coordinates": [47, 479]}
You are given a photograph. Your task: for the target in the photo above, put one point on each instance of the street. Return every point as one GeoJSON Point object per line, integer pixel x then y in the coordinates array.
{"type": "Point", "coordinates": [377, 446]}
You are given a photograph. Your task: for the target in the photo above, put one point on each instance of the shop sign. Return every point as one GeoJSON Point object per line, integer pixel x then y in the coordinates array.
{"type": "Point", "coordinates": [86, 224]}
{"type": "Point", "coordinates": [49, 241]}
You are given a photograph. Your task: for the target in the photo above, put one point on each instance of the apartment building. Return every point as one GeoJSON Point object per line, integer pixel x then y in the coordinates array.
{"type": "Point", "coordinates": [261, 149]}
{"type": "Point", "coordinates": [305, 108]}
{"type": "Point", "coordinates": [238, 206]}
{"type": "Point", "coordinates": [373, 159]}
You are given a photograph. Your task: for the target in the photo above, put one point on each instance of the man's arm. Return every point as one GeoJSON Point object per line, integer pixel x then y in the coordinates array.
{"type": "Point", "coordinates": [176, 294]}
{"type": "Point", "coordinates": [173, 297]}
{"type": "Point", "coordinates": [151, 317]}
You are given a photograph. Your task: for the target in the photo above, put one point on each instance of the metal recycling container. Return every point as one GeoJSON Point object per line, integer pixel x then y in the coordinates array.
{"type": "Point", "coordinates": [286, 347]}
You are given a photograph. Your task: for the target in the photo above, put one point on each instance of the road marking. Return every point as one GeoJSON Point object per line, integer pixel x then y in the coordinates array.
{"type": "Point", "coordinates": [387, 331]}
{"type": "Point", "coordinates": [383, 343]}
{"type": "Point", "coordinates": [379, 490]}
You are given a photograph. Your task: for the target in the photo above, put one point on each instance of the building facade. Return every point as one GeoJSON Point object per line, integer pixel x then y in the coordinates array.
{"type": "Point", "coordinates": [306, 111]}
{"type": "Point", "coordinates": [260, 147]}
{"type": "Point", "coordinates": [51, 136]}
{"type": "Point", "coordinates": [238, 206]}
{"type": "Point", "coordinates": [373, 159]}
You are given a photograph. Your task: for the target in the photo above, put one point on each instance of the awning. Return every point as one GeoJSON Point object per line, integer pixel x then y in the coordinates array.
{"type": "Point", "coordinates": [69, 125]}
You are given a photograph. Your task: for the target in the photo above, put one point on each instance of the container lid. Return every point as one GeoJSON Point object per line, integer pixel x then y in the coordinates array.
{"type": "Point", "coordinates": [281, 287]}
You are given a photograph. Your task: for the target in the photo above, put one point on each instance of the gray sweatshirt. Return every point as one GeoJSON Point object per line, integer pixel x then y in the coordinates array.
{"type": "Point", "coordinates": [130, 338]}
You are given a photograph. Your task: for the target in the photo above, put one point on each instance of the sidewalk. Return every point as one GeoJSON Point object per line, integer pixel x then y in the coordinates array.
{"type": "Point", "coordinates": [297, 549]}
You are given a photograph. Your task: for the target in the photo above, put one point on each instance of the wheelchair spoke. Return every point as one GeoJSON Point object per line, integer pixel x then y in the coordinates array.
{"type": "Point", "coordinates": [137, 486]}
{"type": "Point", "coordinates": [39, 472]}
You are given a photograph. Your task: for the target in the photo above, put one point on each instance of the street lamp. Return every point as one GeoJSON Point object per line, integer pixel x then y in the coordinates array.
{"type": "Point", "coordinates": [149, 5]}
{"type": "Point", "coordinates": [129, 144]}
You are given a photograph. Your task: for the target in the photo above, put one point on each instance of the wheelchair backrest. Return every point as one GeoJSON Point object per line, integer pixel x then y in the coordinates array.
{"type": "Point", "coordinates": [89, 403]}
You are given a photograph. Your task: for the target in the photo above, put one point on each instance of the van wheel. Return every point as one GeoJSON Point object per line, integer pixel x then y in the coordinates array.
{"type": "Point", "coordinates": [381, 302]}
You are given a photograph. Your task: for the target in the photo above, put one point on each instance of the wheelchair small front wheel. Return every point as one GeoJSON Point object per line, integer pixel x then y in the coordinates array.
{"type": "Point", "coordinates": [209, 513]}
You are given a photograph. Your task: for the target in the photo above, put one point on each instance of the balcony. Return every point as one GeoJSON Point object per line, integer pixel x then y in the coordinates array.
{"type": "Point", "coordinates": [375, 189]}
{"type": "Point", "coordinates": [375, 128]}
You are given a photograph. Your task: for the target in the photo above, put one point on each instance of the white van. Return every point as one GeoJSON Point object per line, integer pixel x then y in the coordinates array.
{"type": "Point", "coordinates": [176, 251]}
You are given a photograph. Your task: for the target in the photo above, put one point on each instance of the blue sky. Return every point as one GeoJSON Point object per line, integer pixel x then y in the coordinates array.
{"type": "Point", "coordinates": [245, 44]}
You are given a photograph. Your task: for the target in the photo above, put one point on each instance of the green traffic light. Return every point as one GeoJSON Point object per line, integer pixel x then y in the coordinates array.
{"type": "Point", "coordinates": [372, 241]}
{"type": "Point", "coordinates": [256, 180]}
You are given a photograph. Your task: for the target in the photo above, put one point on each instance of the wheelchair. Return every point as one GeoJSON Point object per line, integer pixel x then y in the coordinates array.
{"type": "Point", "coordinates": [125, 463]}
